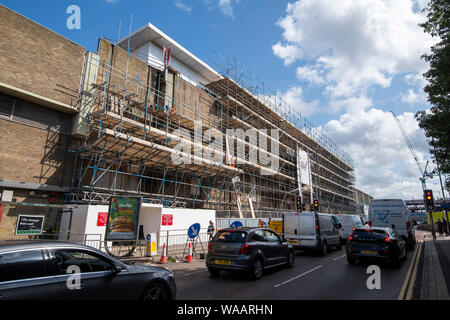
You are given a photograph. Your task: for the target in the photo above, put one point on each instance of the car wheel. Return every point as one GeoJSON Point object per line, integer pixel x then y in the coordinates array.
{"type": "Point", "coordinates": [324, 249]}
{"type": "Point", "coordinates": [214, 272]}
{"type": "Point", "coordinates": [156, 292]}
{"type": "Point", "coordinates": [291, 259]}
{"type": "Point", "coordinates": [256, 270]}
{"type": "Point", "coordinates": [351, 260]}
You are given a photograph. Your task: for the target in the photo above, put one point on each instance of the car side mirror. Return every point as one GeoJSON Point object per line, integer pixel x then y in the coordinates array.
{"type": "Point", "coordinates": [116, 269]}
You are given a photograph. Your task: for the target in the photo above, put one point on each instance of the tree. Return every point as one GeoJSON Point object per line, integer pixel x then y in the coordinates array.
{"type": "Point", "coordinates": [436, 121]}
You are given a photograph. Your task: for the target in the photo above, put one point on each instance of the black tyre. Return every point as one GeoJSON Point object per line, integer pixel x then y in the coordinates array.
{"type": "Point", "coordinates": [214, 272]}
{"type": "Point", "coordinates": [156, 292]}
{"type": "Point", "coordinates": [323, 249]}
{"type": "Point", "coordinates": [291, 259]}
{"type": "Point", "coordinates": [256, 270]}
{"type": "Point", "coordinates": [351, 260]}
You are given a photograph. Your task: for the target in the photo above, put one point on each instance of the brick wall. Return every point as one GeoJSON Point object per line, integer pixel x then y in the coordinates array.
{"type": "Point", "coordinates": [38, 60]}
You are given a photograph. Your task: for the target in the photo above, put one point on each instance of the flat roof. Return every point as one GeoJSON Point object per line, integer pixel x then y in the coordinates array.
{"type": "Point", "coordinates": [150, 33]}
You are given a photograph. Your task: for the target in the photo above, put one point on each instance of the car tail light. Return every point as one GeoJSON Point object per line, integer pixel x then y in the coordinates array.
{"type": "Point", "coordinates": [209, 246]}
{"type": "Point", "coordinates": [245, 249]}
{"type": "Point", "coordinates": [386, 238]}
{"type": "Point", "coordinates": [350, 238]}
{"type": "Point", "coordinates": [408, 226]}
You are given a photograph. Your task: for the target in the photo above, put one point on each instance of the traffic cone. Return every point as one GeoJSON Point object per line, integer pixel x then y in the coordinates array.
{"type": "Point", "coordinates": [163, 256]}
{"type": "Point", "coordinates": [189, 256]}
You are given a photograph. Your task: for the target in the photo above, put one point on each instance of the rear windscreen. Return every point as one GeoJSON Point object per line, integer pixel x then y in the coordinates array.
{"type": "Point", "coordinates": [230, 236]}
{"type": "Point", "coordinates": [346, 220]}
{"type": "Point", "coordinates": [369, 235]}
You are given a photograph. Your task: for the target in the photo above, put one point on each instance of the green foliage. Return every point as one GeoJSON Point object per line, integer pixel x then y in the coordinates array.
{"type": "Point", "coordinates": [436, 122]}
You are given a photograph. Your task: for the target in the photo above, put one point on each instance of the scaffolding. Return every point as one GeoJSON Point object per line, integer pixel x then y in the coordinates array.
{"type": "Point", "coordinates": [136, 116]}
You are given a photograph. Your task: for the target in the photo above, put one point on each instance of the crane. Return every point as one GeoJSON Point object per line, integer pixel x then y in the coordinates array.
{"type": "Point", "coordinates": [424, 173]}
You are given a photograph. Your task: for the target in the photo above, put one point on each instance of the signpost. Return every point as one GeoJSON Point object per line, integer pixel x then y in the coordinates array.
{"type": "Point", "coordinates": [193, 237]}
{"type": "Point", "coordinates": [29, 225]}
{"type": "Point", "coordinates": [236, 224]}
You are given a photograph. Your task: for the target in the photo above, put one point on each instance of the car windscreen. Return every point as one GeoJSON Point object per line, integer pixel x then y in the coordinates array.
{"type": "Point", "coordinates": [230, 236]}
{"type": "Point", "coordinates": [368, 234]}
{"type": "Point", "coordinates": [346, 220]}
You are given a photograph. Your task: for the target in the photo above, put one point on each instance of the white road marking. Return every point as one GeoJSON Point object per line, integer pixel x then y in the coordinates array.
{"type": "Point", "coordinates": [296, 277]}
{"type": "Point", "coordinates": [195, 272]}
{"type": "Point", "coordinates": [339, 257]}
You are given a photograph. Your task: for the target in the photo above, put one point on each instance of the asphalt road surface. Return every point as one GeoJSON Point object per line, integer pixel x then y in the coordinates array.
{"type": "Point", "coordinates": [313, 277]}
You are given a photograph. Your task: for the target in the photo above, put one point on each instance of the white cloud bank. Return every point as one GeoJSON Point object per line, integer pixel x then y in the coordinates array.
{"type": "Point", "coordinates": [347, 48]}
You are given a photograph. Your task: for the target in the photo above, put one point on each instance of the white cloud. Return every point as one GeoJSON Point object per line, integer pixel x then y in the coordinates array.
{"type": "Point", "coordinates": [226, 8]}
{"type": "Point", "coordinates": [294, 97]}
{"type": "Point", "coordinates": [411, 97]}
{"type": "Point", "coordinates": [357, 44]}
{"type": "Point", "coordinates": [182, 6]}
{"type": "Point", "coordinates": [384, 165]}
{"type": "Point", "coordinates": [311, 74]}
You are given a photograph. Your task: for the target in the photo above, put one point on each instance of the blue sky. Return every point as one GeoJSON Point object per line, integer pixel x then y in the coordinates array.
{"type": "Point", "coordinates": [343, 64]}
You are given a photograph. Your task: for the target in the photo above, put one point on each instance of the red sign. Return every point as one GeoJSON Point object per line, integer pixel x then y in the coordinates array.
{"type": "Point", "coordinates": [167, 219]}
{"type": "Point", "coordinates": [102, 219]}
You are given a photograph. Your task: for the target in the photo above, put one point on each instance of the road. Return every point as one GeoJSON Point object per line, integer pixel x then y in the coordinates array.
{"type": "Point", "coordinates": [313, 277]}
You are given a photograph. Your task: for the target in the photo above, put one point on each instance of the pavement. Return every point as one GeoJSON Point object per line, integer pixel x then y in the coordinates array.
{"type": "Point", "coordinates": [434, 269]}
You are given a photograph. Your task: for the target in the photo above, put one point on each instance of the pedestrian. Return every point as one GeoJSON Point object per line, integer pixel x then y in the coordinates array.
{"type": "Point", "coordinates": [440, 226]}
{"type": "Point", "coordinates": [211, 229]}
{"type": "Point", "coordinates": [445, 226]}
{"type": "Point", "coordinates": [260, 223]}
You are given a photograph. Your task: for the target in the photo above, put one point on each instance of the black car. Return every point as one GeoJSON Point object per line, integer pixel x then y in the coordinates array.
{"type": "Point", "coordinates": [372, 243]}
{"type": "Point", "coordinates": [52, 270]}
{"type": "Point", "coordinates": [248, 249]}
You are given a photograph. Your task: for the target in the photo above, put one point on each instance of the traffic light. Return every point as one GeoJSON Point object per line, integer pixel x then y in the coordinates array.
{"type": "Point", "coordinates": [429, 200]}
{"type": "Point", "coordinates": [316, 205]}
{"type": "Point", "coordinates": [299, 204]}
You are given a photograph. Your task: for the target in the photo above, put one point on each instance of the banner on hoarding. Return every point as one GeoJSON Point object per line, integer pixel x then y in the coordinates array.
{"type": "Point", "coordinates": [123, 218]}
{"type": "Point", "coordinates": [304, 167]}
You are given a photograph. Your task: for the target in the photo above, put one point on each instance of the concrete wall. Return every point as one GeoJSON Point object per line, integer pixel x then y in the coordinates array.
{"type": "Point", "coordinates": [38, 60]}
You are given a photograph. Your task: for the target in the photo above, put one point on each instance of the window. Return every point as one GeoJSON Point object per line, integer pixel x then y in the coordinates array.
{"type": "Point", "coordinates": [86, 261]}
{"type": "Point", "coordinates": [259, 236]}
{"type": "Point", "coordinates": [271, 237]}
{"type": "Point", "coordinates": [230, 236]}
{"type": "Point", "coordinates": [22, 265]}
{"type": "Point", "coordinates": [324, 222]}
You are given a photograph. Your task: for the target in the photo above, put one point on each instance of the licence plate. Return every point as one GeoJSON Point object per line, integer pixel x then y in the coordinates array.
{"type": "Point", "coordinates": [369, 252]}
{"type": "Point", "coordinates": [223, 262]}
{"type": "Point", "coordinates": [293, 241]}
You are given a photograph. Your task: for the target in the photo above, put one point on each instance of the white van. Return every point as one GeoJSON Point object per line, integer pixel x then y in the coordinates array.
{"type": "Point", "coordinates": [393, 213]}
{"type": "Point", "coordinates": [348, 222]}
{"type": "Point", "coordinates": [312, 231]}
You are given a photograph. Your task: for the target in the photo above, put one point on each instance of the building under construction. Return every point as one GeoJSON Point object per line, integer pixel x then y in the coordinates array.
{"type": "Point", "coordinates": [146, 100]}
{"type": "Point", "coordinates": [77, 127]}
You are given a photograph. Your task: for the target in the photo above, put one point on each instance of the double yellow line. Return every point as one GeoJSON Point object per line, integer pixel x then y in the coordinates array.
{"type": "Point", "coordinates": [406, 291]}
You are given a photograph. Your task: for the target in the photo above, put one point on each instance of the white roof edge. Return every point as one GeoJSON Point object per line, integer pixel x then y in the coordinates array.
{"type": "Point", "coordinates": [175, 44]}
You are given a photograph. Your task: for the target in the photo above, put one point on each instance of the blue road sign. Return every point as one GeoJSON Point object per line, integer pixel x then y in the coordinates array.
{"type": "Point", "coordinates": [194, 230]}
{"type": "Point", "coordinates": [149, 237]}
{"type": "Point", "coordinates": [236, 224]}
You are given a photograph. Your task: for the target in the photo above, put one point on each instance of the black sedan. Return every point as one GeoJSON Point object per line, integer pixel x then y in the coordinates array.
{"type": "Point", "coordinates": [53, 270]}
{"type": "Point", "coordinates": [248, 249]}
{"type": "Point", "coordinates": [370, 243]}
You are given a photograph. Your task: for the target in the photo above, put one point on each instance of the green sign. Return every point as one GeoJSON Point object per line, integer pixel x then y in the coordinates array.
{"type": "Point", "coordinates": [29, 225]}
{"type": "Point", "coordinates": [123, 218]}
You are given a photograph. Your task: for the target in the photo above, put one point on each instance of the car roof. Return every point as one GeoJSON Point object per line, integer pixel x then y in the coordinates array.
{"type": "Point", "coordinates": [373, 228]}
{"type": "Point", "coordinates": [244, 229]}
{"type": "Point", "coordinates": [8, 245]}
